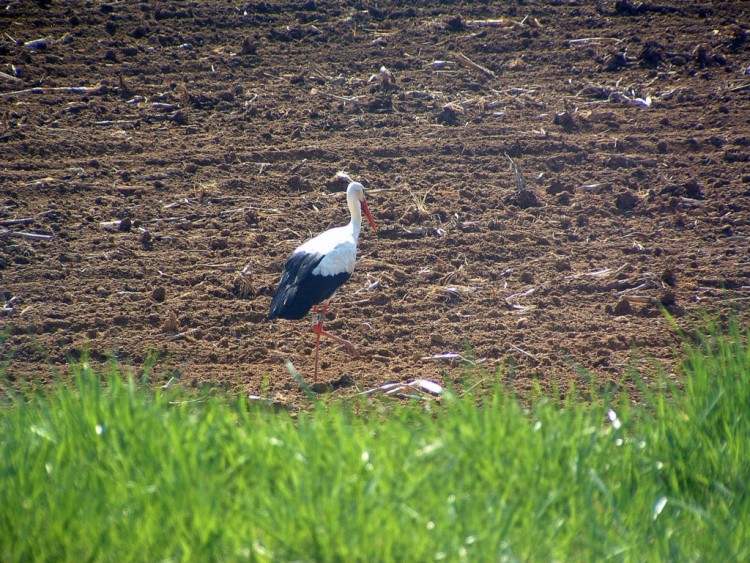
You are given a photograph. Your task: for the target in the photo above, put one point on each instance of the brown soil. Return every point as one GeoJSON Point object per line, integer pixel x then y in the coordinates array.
{"type": "Point", "coordinates": [211, 132]}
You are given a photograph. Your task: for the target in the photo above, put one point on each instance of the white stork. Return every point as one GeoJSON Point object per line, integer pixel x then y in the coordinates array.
{"type": "Point", "coordinates": [317, 268]}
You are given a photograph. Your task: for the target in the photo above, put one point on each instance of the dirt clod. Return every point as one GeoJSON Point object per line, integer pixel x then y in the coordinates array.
{"type": "Point", "coordinates": [338, 182]}
{"type": "Point", "coordinates": [668, 298]}
{"type": "Point", "coordinates": [159, 294]}
{"type": "Point", "coordinates": [557, 186]}
{"type": "Point", "coordinates": [171, 323]}
{"type": "Point", "coordinates": [652, 53]}
{"type": "Point", "coordinates": [450, 114]}
{"type": "Point", "coordinates": [248, 47]}
{"type": "Point", "coordinates": [455, 23]}
{"type": "Point", "coordinates": [623, 307]}
{"type": "Point", "coordinates": [626, 201]}
{"type": "Point", "coordinates": [219, 244]}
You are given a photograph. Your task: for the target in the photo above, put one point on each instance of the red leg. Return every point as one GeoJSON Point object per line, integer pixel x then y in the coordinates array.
{"type": "Point", "coordinates": [318, 330]}
{"type": "Point", "coordinates": [345, 343]}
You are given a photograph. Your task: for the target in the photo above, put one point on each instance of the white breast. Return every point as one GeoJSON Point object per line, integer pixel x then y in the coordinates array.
{"type": "Point", "coordinates": [339, 248]}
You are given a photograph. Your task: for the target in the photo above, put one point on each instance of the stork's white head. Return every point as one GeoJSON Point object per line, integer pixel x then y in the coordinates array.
{"type": "Point", "coordinates": [355, 189]}
{"type": "Point", "coordinates": [355, 197]}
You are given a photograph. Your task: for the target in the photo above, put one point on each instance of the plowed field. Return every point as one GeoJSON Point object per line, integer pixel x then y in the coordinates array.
{"type": "Point", "coordinates": [172, 155]}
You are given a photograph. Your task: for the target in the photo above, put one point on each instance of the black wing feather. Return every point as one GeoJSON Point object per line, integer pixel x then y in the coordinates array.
{"type": "Point", "coordinates": [299, 289]}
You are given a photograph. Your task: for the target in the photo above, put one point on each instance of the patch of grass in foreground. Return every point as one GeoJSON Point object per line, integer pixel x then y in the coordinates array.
{"type": "Point", "coordinates": [112, 472]}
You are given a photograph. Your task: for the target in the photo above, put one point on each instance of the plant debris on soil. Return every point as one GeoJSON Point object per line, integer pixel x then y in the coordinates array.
{"type": "Point", "coordinates": [161, 160]}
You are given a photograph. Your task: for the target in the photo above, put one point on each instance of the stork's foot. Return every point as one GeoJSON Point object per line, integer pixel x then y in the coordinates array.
{"type": "Point", "coordinates": [317, 328]}
{"type": "Point", "coordinates": [348, 346]}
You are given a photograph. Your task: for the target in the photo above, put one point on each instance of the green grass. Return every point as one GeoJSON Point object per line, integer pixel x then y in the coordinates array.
{"type": "Point", "coordinates": [108, 471]}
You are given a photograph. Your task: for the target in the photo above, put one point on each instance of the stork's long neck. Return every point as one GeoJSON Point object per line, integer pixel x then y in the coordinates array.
{"type": "Point", "coordinates": [356, 210]}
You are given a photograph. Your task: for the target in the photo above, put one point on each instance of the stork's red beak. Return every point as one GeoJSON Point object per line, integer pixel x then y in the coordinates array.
{"type": "Point", "coordinates": [369, 217]}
